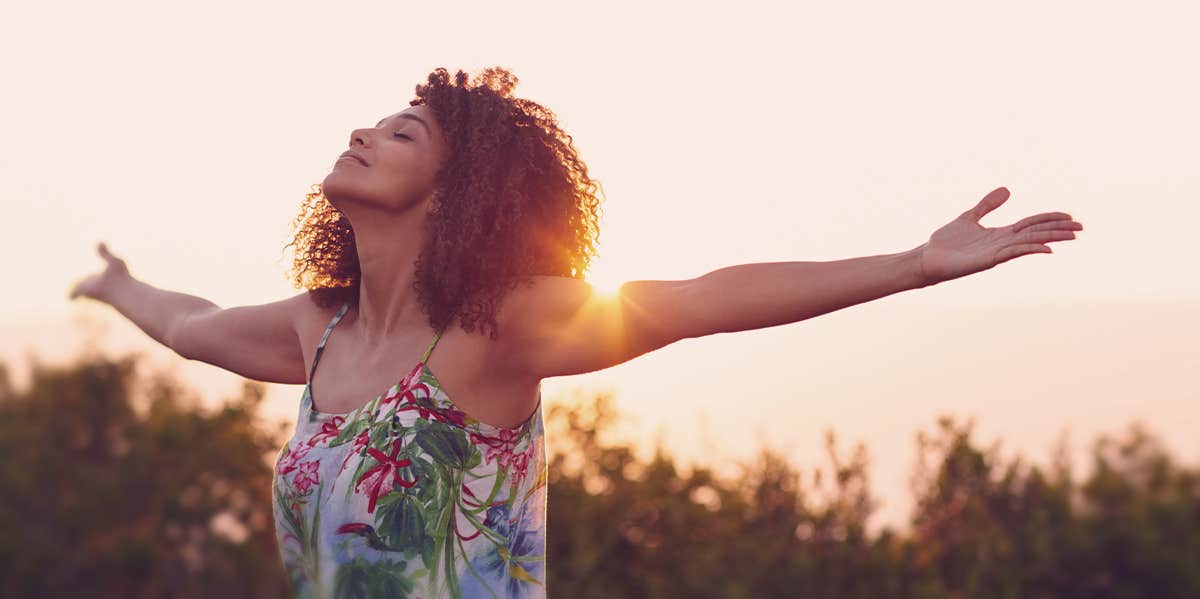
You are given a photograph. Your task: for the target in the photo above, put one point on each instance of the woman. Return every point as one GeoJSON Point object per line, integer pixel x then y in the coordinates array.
{"type": "Point", "coordinates": [470, 212]}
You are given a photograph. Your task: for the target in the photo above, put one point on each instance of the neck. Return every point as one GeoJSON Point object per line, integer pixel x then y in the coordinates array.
{"type": "Point", "coordinates": [388, 245]}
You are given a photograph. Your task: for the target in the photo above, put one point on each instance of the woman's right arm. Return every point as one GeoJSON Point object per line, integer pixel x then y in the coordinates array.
{"type": "Point", "coordinates": [258, 342]}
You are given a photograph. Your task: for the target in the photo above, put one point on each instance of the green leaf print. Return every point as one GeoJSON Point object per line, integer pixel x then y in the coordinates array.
{"type": "Point", "coordinates": [349, 432]}
{"type": "Point", "coordinates": [451, 571]}
{"type": "Point", "coordinates": [427, 479]}
{"type": "Point", "coordinates": [314, 540]}
{"type": "Point", "coordinates": [402, 521]}
{"type": "Point", "coordinates": [289, 517]}
{"type": "Point", "coordinates": [428, 378]}
{"type": "Point", "coordinates": [428, 552]}
{"type": "Point", "coordinates": [446, 445]}
{"type": "Point", "coordinates": [475, 458]}
{"type": "Point", "coordinates": [360, 579]}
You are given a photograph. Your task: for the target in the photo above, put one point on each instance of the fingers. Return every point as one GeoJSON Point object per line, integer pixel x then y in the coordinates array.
{"type": "Point", "coordinates": [1045, 236]}
{"type": "Point", "coordinates": [1032, 242]}
{"type": "Point", "coordinates": [1013, 251]}
{"type": "Point", "coordinates": [1043, 218]}
{"type": "Point", "coordinates": [1054, 225]}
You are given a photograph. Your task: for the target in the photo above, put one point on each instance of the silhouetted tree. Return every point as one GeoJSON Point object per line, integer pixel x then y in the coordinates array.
{"type": "Point", "coordinates": [114, 485]}
{"type": "Point", "coordinates": [102, 499]}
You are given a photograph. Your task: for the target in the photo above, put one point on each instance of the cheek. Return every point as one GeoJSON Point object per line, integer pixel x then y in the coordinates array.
{"type": "Point", "coordinates": [402, 177]}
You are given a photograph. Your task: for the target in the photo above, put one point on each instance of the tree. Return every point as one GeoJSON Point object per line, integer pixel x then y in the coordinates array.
{"type": "Point", "coordinates": [166, 501]}
{"type": "Point", "coordinates": [126, 486]}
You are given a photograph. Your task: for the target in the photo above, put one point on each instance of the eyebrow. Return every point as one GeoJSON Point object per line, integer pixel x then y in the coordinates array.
{"type": "Point", "coordinates": [413, 117]}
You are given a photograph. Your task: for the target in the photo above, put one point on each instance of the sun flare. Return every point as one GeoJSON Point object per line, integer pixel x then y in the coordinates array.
{"type": "Point", "coordinates": [604, 283]}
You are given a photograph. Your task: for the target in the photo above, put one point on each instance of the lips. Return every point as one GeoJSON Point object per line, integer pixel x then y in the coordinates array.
{"type": "Point", "coordinates": [354, 156]}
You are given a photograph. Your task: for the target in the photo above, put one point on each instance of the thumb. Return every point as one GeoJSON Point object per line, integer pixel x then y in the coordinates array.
{"type": "Point", "coordinates": [102, 248]}
{"type": "Point", "coordinates": [990, 202]}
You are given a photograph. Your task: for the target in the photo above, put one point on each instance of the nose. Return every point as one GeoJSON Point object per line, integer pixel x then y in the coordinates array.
{"type": "Point", "coordinates": [360, 136]}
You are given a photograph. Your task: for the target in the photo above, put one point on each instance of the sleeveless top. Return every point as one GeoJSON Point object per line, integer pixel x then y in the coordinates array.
{"type": "Point", "coordinates": [409, 496]}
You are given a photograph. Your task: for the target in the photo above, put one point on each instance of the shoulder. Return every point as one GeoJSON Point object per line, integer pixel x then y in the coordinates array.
{"type": "Point", "coordinates": [539, 298]}
{"type": "Point", "coordinates": [307, 314]}
{"type": "Point", "coordinates": [536, 305]}
{"type": "Point", "coordinates": [558, 326]}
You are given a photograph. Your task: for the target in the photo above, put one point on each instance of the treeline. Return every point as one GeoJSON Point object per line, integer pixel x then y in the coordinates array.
{"type": "Point", "coordinates": [117, 484]}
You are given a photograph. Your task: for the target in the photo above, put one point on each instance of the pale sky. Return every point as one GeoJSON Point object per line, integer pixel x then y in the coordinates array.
{"type": "Point", "coordinates": [723, 134]}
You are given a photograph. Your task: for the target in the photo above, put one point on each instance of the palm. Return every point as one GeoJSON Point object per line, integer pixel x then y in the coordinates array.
{"type": "Point", "coordinates": [963, 247]}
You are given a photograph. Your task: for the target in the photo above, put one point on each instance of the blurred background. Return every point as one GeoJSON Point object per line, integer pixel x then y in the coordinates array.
{"type": "Point", "coordinates": [1028, 431]}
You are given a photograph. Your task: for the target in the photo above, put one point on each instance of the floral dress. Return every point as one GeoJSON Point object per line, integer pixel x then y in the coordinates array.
{"type": "Point", "coordinates": [408, 496]}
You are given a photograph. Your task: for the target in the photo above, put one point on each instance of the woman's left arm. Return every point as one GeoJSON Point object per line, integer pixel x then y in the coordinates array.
{"type": "Point", "coordinates": [561, 326]}
{"type": "Point", "coordinates": [768, 294]}
{"type": "Point", "coordinates": [754, 296]}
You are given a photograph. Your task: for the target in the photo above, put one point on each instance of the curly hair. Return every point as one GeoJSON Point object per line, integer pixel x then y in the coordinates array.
{"type": "Point", "coordinates": [513, 200]}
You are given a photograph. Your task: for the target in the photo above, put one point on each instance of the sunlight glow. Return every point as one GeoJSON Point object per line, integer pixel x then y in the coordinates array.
{"type": "Point", "coordinates": [605, 284]}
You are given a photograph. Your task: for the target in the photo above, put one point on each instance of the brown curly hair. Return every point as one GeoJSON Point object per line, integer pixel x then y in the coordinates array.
{"type": "Point", "coordinates": [512, 200]}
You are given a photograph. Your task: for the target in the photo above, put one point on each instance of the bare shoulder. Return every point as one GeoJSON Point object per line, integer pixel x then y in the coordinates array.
{"type": "Point", "coordinates": [307, 315]}
{"type": "Point", "coordinates": [544, 291]}
{"type": "Point", "coordinates": [524, 312]}
{"type": "Point", "coordinates": [540, 298]}
{"type": "Point", "coordinates": [258, 341]}
{"type": "Point", "coordinates": [558, 326]}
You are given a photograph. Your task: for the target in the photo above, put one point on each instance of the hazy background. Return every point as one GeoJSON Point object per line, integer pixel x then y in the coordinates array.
{"type": "Point", "coordinates": [723, 134]}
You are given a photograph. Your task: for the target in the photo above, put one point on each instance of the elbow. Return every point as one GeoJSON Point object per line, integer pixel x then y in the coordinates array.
{"type": "Point", "coordinates": [666, 311]}
{"type": "Point", "coordinates": [689, 318]}
{"type": "Point", "coordinates": [174, 340]}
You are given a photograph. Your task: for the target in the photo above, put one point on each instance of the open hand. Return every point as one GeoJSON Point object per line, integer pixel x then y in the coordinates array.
{"type": "Point", "coordinates": [963, 246]}
{"type": "Point", "coordinates": [94, 285]}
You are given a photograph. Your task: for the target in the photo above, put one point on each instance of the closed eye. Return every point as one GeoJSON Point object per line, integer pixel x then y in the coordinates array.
{"type": "Point", "coordinates": [398, 134]}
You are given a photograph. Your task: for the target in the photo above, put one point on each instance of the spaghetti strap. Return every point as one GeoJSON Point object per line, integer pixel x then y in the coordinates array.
{"type": "Point", "coordinates": [433, 343]}
{"type": "Point", "coordinates": [321, 346]}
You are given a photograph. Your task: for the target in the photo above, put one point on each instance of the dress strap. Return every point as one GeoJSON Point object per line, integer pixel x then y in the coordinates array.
{"type": "Point", "coordinates": [329, 329]}
{"type": "Point", "coordinates": [433, 343]}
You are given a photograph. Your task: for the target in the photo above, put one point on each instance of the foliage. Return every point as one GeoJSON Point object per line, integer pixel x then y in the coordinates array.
{"type": "Point", "coordinates": [163, 501]}
{"type": "Point", "coordinates": [124, 487]}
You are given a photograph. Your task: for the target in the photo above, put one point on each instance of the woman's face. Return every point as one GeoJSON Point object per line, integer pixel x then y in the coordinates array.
{"type": "Point", "coordinates": [392, 165]}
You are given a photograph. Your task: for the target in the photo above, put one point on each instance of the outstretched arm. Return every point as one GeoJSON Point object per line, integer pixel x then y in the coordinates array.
{"type": "Point", "coordinates": [754, 296]}
{"type": "Point", "coordinates": [768, 294]}
{"type": "Point", "coordinates": [559, 326]}
{"type": "Point", "coordinates": [258, 342]}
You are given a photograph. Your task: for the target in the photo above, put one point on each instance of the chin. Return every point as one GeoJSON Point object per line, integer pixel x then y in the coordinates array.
{"type": "Point", "coordinates": [338, 187]}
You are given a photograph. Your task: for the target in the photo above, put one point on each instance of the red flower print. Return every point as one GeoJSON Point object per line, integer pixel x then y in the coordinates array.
{"type": "Point", "coordinates": [359, 442]}
{"type": "Point", "coordinates": [427, 410]}
{"type": "Point", "coordinates": [412, 376]}
{"type": "Point", "coordinates": [357, 528]}
{"type": "Point", "coordinates": [288, 462]}
{"type": "Point", "coordinates": [501, 447]}
{"type": "Point", "coordinates": [384, 476]}
{"type": "Point", "coordinates": [306, 475]}
{"type": "Point", "coordinates": [329, 430]}
{"type": "Point", "coordinates": [497, 447]}
{"type": "Point", "coordinates": [452, 416]}
{"type": "Point", "coordinates": [520, 463]}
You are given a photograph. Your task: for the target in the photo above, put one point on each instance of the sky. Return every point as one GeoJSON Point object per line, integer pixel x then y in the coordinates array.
{"type": "Point", "coordinates": [185, 138]}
